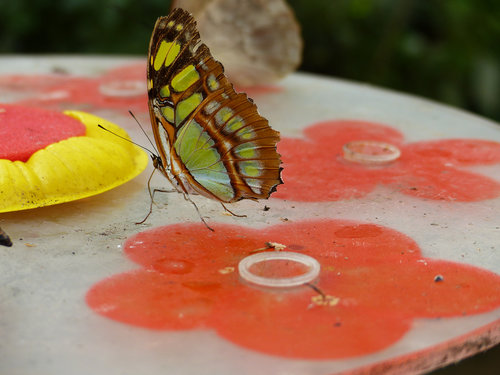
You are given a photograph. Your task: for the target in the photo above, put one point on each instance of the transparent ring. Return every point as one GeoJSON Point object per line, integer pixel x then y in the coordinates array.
{"type": "Point", "coordinates": [279, 282]}
{"type": "Point", "coordinates": [370, 152]}
{"type": "Point", "coordinates": [123, 88]}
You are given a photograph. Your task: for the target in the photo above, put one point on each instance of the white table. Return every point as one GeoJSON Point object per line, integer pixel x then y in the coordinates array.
{"type": "Point", "coordinates": [59, 252]}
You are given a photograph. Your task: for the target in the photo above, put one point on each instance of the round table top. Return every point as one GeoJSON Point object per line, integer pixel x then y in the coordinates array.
{"type": "Point", "coordinates": [408, 248]}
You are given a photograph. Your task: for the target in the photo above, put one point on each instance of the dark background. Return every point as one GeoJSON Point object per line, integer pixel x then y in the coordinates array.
{"type": "Point", "coordinates": [446, 50]}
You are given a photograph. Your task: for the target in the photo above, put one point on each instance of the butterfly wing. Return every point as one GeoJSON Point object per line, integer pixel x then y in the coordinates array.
{"type": "Point", "coordinates": [210, 138]}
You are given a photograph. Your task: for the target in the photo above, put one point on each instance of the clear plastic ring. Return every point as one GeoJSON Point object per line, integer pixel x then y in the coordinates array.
{"type": "Point", "coordinates": [123, 88]}
{"type": "Point", "coordinates": [370, 152]}
{"type": "Point", "coordinates": [312, 265]}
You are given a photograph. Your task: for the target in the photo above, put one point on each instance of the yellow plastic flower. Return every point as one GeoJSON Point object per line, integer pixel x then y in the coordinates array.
{"type": "Point", "coordinates": [71, 169]}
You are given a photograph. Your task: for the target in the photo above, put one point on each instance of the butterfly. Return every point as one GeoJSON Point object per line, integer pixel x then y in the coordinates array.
{"type": "Point", "coordinates": [210, 139]}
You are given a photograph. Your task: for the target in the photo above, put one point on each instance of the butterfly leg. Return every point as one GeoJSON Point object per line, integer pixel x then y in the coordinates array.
{"type": "Point", "coordinates": [152, 201]}
{"type": "Point", "coordinates": [186, 197]}
{"type": "Point", "coordinates": [149, 188]}
{"type": "Point", "coordinates": [151, 195]}
{"type": "Point", "coordinates": [231, 212]}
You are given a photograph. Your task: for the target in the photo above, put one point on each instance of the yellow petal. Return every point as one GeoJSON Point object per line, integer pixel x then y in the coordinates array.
{"type": "Point", "coordinates": [71, 169]}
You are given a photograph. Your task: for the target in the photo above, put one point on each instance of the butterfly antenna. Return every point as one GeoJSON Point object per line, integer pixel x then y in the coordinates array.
{"type": "Point", "coordinates": [126, 139]}
{"type": "Point", "coordinates": [140, 126]}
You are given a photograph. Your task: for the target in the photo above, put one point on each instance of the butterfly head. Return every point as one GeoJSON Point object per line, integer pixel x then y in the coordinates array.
{"type": "Point", "coordinates": [157, 162]}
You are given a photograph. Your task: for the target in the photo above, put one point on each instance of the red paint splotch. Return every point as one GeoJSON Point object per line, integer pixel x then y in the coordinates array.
{"type": "Point", "coordinates": [315, 170]}
{"type": "Point", "coordinates": [25, 130]}
{"type": "Point", "coordinates": [375, 281]}
{"type": "Point", "coordinates": [122, 88]}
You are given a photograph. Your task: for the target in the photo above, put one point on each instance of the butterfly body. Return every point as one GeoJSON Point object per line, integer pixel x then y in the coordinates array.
{"type": "Point", "coordinates": [210, 139]}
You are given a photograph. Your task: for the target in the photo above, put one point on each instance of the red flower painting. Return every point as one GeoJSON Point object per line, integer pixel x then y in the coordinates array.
{"type": "Point", "coordinates": [315, 170]}
{"type": "Point", "coordinates": [122, 88]}
{"type": "Point", "coordinates": [374, 282]}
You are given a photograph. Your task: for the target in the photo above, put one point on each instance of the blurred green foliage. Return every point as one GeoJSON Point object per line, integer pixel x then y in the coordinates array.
{"type": "Point", "coordinates": [444, 50]}
{"type": "Point", "coordinates": [78, 26]}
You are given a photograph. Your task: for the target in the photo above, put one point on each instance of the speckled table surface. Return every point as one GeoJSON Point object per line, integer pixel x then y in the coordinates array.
{"type": "Point", "coordinates": [408, 250]}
